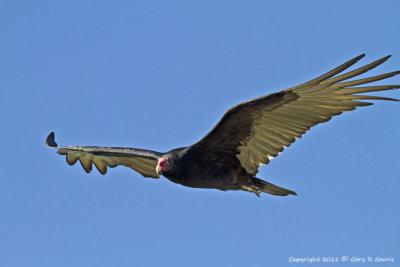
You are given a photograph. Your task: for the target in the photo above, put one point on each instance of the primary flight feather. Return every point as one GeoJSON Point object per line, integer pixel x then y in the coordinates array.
{"type": "Point", "coordinates": [248, 135]}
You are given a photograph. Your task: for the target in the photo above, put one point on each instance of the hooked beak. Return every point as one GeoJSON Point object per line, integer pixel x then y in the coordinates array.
{"type": "Point", "coordinates": [158, 169]}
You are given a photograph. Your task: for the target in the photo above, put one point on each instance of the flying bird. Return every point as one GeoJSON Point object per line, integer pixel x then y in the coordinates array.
{"type": "Point", "coordinates": [248, 135]}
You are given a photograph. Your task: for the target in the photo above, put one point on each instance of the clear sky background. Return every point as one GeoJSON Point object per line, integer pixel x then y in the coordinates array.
{"type": "Point", "coordinates": [159, 75]}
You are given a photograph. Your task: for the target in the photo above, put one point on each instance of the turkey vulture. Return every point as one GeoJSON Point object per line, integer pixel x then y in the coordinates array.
{"type": "Point", "coordinates": [248, 135]}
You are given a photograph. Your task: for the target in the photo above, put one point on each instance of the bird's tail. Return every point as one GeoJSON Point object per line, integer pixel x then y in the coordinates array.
{"type": "Point", "coordinates": [269, 188]}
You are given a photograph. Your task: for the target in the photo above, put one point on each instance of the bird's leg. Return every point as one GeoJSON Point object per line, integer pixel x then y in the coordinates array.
{"type": "Point", "coordinates": [250, 189]}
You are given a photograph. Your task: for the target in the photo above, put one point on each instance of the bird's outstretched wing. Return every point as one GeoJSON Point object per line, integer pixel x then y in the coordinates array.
{"type": "Point", "coordinates": [140, 160]}
{"type": "Point", "coordinates": [258, 130]}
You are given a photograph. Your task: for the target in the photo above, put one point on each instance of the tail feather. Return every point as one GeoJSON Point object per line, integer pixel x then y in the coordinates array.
{"type": "Point", "coordinates": [272, 189]}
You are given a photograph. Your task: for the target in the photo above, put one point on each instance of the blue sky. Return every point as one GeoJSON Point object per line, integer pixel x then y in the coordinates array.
{"type": "Point", "coordinates": [159, 75]}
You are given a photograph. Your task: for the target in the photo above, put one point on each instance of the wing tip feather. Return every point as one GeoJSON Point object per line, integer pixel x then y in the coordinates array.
{"type": "Point", "coordinates": [87, 166]}
{"type": "Point", "coordinates": [356, 59]}
{"type": "Point", "coordinates": [360, 56]}
{"type": "Point", "coordinates": [50, 142]}
{"type": "Point", "coordinates": [102, 172]}
{"type": "Point", "coordinates": [381, 60]}
{"type": "Point", "coordinates": [101, 167]}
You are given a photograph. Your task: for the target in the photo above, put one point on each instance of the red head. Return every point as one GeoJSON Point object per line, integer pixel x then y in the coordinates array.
{"type": "Point", "coordinates": [164, 164]}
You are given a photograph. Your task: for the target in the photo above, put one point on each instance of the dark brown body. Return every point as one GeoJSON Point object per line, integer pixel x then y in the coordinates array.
{"type": "Point", "coordinates": [213, 171]}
